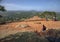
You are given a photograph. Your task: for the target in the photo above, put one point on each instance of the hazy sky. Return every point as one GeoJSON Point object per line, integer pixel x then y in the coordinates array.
{"type": "Point", "coordinates": [40, 5]}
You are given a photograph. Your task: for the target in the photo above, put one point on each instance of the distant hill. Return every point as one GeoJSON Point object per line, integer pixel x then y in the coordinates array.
{"type": "Point", "coordinates": [23, 14]}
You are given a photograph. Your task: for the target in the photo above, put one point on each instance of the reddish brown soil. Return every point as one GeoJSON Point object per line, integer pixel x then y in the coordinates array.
{"type": "Point", "coordinates": [12, 28]}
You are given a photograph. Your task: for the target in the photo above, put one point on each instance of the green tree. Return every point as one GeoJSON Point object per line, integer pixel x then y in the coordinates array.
{"type": "Point", "coordinates": [0, 15]}
{"type": "Point", "coordinates": [2, 7]}
{"type": "Point", "coordinates": [54, 16]}
{"type": "Point", "coordinates": [51, 15]}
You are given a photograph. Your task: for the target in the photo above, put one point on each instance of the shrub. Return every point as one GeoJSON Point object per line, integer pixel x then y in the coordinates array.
{"type": "Point", "coordinates": [53, 35]}
{"type": "Point", "coordinates": [24, 37]}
